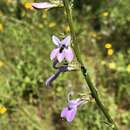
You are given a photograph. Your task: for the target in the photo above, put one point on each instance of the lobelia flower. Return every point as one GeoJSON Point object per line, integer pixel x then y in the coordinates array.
{"type": "Point", "coordinates": [43, 5]}
{"type": "Point", "coordinates": [62, 50]}
{"type": "Point", "coordinates": [70, 111]}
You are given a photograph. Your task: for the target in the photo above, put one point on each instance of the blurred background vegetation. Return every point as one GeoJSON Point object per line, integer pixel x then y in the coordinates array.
{"type": "Point", "coordinates": [103, 31]}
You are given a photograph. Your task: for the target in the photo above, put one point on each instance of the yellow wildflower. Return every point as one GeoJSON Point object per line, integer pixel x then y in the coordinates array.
{"type": "Point", "coordinates": [1, 63]}
{"type": "Point", "coordinates": [1, 27]}
{"type": "Point", "coordinates": [108, 45]}
{"type": "Point", "coordinates": [110, 52]}
{"type": "Point", "coordinates": [112, 65]}
{"type": "Point", "coordinates": [128, 68]}
{"type": "Point", "coordinates": [2, 110]}
{"type": "Point", "coordinates": [28, 5]}
{"type": "Point", "coordinates": [52, 24]}
{"type": "Point", "coordinates": [105, 14]}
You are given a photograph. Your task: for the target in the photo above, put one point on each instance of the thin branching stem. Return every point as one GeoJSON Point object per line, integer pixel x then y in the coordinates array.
{"type": "Point", "coordinates": [83, 68]}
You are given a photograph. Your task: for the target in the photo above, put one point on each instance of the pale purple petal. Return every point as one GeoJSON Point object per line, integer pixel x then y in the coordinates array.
{"type": "Point", "coordinates": [60, 56]}
{"type": "Point", "coordinates": [80, 102]}
{"type": "Point", "coordinates": [66, 41]}
{"type": "Point", "coordinates": [71, 114]}
{"type": "Point", "coordinates": [43, 5]}
{"type": "Point", "coordinates": [69, 54]}
{"type": "Point", "coordinates": [64, 112]}
{"type": "Point", "coordinates": [56, 40]}
{"type": "Point", "coordinates": [54, 53]}
{"type": "Point", "coordinates": [74, 103]}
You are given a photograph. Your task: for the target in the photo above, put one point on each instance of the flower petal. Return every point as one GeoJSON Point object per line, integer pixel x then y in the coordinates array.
{"type": "Point", "coordinates": [54, 53]}
{"type": "Point", "coordinates": [66, 41]}
{"type": "Point", "coordinates": [69, 54]}
{"type": "Point", "coordinates": [70, 114]}
{"type": "Point", "coordinates": [43, 5]}
{"type": "Point", "coordinates": [56, 40]}
{"type": "Point", "coordinates": [64, 112]}
{"type": "Point", "coordinates": [60, 56]}
{"type": "Point", "coordinates": [75, 103]}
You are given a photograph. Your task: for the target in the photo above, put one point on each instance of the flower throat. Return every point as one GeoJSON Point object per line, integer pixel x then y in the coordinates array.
{"type": "Point", "coordinates": [62, 48]}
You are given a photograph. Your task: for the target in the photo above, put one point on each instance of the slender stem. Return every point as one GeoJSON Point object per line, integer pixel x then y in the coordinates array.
{"type": "Point", "coordinates": [83, 68]}
{"type": "Point", "coordinates": [18, 10]}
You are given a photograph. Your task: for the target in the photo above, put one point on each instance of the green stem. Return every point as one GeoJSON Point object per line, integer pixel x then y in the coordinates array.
{"type": "Point", "coordinates": [83, 68]}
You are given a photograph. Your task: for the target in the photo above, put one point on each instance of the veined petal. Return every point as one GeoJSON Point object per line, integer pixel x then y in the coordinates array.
{"type": "Point", "coordinates": [60, 56]}
{"type": "Point", "coordinates": [69, 54]}
{"type": "Point", "coordinates": [56, 40]}
{"type": "Point", "coordinates": [54, 53]}
{"type": "Point", "coordinates": [71, 114]}
{"type": "Point", "coordinates": [66, 41]}
{"type": "Point", "coordinates": [43, 5]}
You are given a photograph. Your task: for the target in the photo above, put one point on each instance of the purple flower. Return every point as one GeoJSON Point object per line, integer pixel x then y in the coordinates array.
{"type": "Point", "coordinates": [69, 112]}
{"type": "Point", "coordinates": [43, 5]}
{"type": "Point", "coordinates": [62, 50]}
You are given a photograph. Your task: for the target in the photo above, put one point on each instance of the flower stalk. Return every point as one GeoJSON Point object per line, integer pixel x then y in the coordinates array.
{"type": "Point", "coordinates": [83, 68]}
